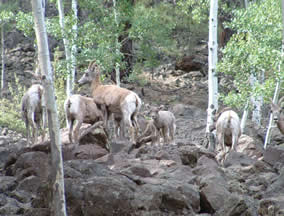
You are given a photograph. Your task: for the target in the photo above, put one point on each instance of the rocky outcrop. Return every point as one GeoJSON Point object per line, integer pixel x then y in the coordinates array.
{"type": "Point", "coordinates": [182, 179]}
{"type": "Point", "coordinates": [192, 63]}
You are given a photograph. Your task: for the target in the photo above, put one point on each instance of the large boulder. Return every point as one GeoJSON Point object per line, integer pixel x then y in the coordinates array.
{"type": "Point", "coordinates": [190, 63]}
{"type": "Point", "coordinates": [274, 155]}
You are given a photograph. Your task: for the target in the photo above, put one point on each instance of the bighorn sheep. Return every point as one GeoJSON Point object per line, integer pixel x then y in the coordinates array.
{"type": "Point", "coordinates": [83, 110]}
{"type": "Point", "coordinates": [119, 130]}
{"type": "Point", "coordinates": [161, 122]}
{"type": "Point", "coordinates": [278, 115]}
{"type": "Point", "coordinates": [117, 100]}
{"type": "Point", "coordinates": [151, 133]}
{"type": "Point", "coordinates": [228, 129]}
{"type": "Point", "coordinates": [33, 112]}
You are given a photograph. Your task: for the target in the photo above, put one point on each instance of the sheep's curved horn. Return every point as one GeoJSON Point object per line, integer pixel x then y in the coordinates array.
{"type": "Point", "coordinates": [91, 63]}
{"type": "Point", "coordinates": [280, 100]}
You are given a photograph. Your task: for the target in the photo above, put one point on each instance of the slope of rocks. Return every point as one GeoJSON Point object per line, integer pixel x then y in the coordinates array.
{"type": "Point", "coordinates": [181, 179]}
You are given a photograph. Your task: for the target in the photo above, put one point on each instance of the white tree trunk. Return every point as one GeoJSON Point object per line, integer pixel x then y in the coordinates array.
{"type": "Point", "coordinates": [244, 118]}
{"type": "Point", "coordinates": [117, 71]}
{"type": "Point", "coordinates": [69, 83]}
{"type": "Point", "coordinates": [277, 88]}
{"type": "Point", "coordinates": [2, 59]}
{"type": "Point", "coordinates": [257, 103]}
{"type": "Point", "coordinates": [212, 62]}
{"type": "Point", "coordinates": [43, 6]}
{"type": "Point", "coordinates": [57, 177]}
{"type": "Point", "coordinates": [246, 3]}
{"type": "Point", "coordinates": [271, 121]}
{"type": "Point", "coordinates": [246, 110]}
{"type": "Point", "coordinates": [74, 47]}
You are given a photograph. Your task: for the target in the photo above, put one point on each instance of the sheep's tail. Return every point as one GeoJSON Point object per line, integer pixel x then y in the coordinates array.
{"type": "Point", "coordinates": [138, 103]}
{"type": "Point", "coordinates": [68, 103]}
{"type": "Point", "coordinates": [229, 120]}
{"type": "Point", "coordinates": [39, 91]}
{"type": "Point", "coordinates": [67, 106]}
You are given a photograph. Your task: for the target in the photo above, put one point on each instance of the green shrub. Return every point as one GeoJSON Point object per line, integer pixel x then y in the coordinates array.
{"type": "Point", "coordinates": [10, 109]}
{"type": "Point", "coordinates": [60, 98]}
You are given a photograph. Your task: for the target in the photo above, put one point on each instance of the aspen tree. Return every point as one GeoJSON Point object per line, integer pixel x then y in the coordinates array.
{"type": "Point", "coordinates": [57, 177]}
{"type": "Point", "coordinates": [212, 62]}
{"type": "Point", "coordinates": [277, 88]}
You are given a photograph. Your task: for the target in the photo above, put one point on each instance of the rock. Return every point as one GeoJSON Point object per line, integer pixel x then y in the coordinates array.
{"type": "Point", "coordinates": [115, 192]}
{"type": "Point", "coordinates": [190, 155]}
{"type": "Point", "coordinates": [277, 187]}
{"type": "Point", "coordinates": [37, 211]}
{"type": "Point", "coordinates": [10, 206]}
{"type": "Point", "coordinates": [189, 63]}
{"type": "Point", "coordinates": [97, 136]}
{"type": "Point", "coordinates": [31, 163]}
{"type": "Point", "coordinates": [178, 109]}
{"type": "Point", "coordinates": [271, 206]}
{"type": "Point", "coordinates": [273, 155]}
{"type": "Point", "coordinates": [89, 151]}
{"type": "Point", "coordinates": [8, 183]}
{"type": "Point", "coordinates": [237, 158]}
{"type": "Point", "coordinates": [248, 146]}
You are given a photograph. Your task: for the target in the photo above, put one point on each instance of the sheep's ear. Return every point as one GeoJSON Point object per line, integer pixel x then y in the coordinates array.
{"type": "Point", "coordinates": [161, 107]}
{"type": "Point", "coordinates": [147, 106]}
{"type": "Point", "coordinates": [273, 106]}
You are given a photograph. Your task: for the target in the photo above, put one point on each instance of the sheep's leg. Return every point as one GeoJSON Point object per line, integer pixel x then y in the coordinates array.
{"type": "Point", "coordinates": [106, 121]}
{"type": "Point", "coordinates": [28, 132]}
{"type": "Point", "coordinates": [158, 133]}
{"type": "Point", "coordinates": [34, 134]}
{"type": "Point", "coordinates": [121, 130]}
{"type": "Point", "coordinates": [38, 128]}
{"type": "Point", "coordinates": [172, 133]}
{"type": "Point", "coordinates": [146, 131]}
{"type": "Point", "coordinates": [224, 150]}
{"type": "Point", "coordinates": [43, 122]}
{"type": "Point", "coordinates": [234, 143]}
{"type": "Point", "coordinates": [165, 132]}
{"type": "Point", "coordinates": [116, 129]}
{"type": "Point", "coordinates": [76, 132]}
{"type": "Point", "coordinates": [156, 140]}
{"type": "Point", "coordinates": [34, 127]}
{"type": "Point", "coordinates": [136, 125]}
{"type": "Point", "coordinates": [221, 140]}
{"type": "Point", "coordinates": [106, 116]}
{"type": "Point", "coordinates": [70, 124]}
{"type": "Point", "coordinates": [127, 122]}
{"type": "Point", "coordinates": [132, 132]}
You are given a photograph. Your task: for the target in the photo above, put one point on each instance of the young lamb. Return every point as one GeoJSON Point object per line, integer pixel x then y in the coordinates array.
{"type": "Point", "coordinates": [151, 133]}
{"type": "Point", "coordinates": [33, 112]}
{"type": "Point", "coordinates": [117, 100]}
{"type": "Point", "coordinates": [278, 115]}
{"type": "Point", "coordinates": [228, 129]}
{"type": "Point", "coordinates": [119, 129]}
{"type": "Point", "coordinates": [83, 110]}
{"type": "Point", "coordinates": [164, 122]}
